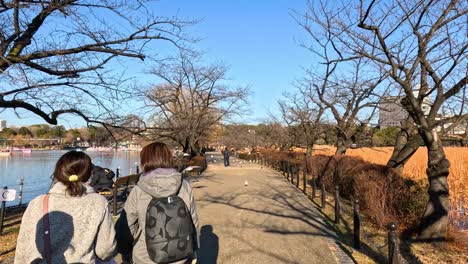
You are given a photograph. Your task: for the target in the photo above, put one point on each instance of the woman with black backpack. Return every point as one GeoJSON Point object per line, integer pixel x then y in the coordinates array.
{"type": "Point", "coordinates": [159, 219]}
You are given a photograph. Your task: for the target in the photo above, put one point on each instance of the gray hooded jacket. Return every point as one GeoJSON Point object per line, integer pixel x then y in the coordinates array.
{"type": "Point", "coordinates": [157, 183]}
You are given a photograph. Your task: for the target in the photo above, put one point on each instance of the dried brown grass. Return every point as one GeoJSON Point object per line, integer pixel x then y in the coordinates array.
{"type": "Point", "coordinates": [415, 170]}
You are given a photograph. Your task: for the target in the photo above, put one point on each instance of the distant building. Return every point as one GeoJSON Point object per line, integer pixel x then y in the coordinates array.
{"type": "Point", "coordinates": [450, 129]}
{"type": "Point", "coordinates": [3, 124]}
{"type": "Point", "coordinates": [391, 112]}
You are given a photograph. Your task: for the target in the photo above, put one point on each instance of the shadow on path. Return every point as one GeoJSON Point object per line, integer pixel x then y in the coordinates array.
{"type": "Point", "coordinates": [209, 248]}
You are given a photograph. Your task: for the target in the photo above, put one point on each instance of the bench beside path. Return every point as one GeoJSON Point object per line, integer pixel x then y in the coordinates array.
{"type": "Point", "coordinates": [267, 221]}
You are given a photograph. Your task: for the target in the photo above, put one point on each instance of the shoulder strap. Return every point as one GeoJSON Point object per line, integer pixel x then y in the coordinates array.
{"type": "Point", "coordinates": [46, 227]}
{"type": "Point", "coordinates": [180, 186]}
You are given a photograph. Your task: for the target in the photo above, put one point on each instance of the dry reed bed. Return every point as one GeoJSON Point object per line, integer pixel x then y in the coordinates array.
{"type": "Point", "coordinates": [416, 167]}
{"type": "Point", "coordinates": [415, 170]}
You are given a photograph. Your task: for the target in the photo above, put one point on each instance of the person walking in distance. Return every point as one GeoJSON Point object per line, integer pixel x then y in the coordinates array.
{"type": "Point", "coordinates": [159, 222]}
{"type": "Point", "coordinates": [226, 154]}
{"type": "Point", "coordinates": [70, 224]}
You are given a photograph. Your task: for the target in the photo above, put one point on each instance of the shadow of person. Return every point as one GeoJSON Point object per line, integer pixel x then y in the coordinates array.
{"type": "Point", "coordinates": [61, 233]}
{"type": "Point", "coordinates": [209, 248]}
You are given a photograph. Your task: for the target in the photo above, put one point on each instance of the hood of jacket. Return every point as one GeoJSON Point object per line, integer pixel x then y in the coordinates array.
{"type": "Point", "coordinates": [160, 182]}
{"type": "Point", "coordinates": [61, 189]}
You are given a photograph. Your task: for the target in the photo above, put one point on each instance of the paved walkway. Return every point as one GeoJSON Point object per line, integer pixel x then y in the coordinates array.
{"type": "Point", "coordinates": [267, 221]}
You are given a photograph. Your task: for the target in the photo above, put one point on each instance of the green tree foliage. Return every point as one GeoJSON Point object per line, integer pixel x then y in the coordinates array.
{"type": "Point", "coordinates": [75, 133]}
{"type": "Point", "coordinates": [8, 132]}
{"type": "Point", "coordinates": [57, 132]}
{"type": "Point", "coordinates": [385, 137]}
{"type": "Point", "coordinates": [42, 131]}
{"type": "Point", "coordinates": [99, 135]}
{"type": "Point", "coordinates": [24, 131]}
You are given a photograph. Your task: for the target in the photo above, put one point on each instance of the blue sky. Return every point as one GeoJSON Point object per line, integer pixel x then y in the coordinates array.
{"type": "Point", "coordinates": [258, 39]}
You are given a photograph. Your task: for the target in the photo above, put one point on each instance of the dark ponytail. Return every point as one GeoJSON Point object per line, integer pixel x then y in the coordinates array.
{"type": "Point", "coordinates": [72, 169]}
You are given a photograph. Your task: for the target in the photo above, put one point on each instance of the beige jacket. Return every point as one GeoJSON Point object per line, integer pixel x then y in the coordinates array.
{"type": "Point", "coordinates": [81, 229]}
{"type": "Point", "coordinates": [157, 183]}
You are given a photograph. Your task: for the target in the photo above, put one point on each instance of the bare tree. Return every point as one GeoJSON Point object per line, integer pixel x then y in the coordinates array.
{"type": "Point", "coordinates": [303, 116]}
{"type": "Point", "coordinates": [57, 57]}
{"type": "Point", "coordinates": [191, 99]}
{"type": "Point", "coordinates": [239, 136]}
{"type": "Point", "coordinates": [421, 45]}
{"type": "Point", "coordinates": [348, 90]}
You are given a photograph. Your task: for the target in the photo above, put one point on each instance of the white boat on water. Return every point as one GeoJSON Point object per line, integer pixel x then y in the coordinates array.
{"type": "Point", "coordinates": [5, 153]}
{"type": "Point", "coordinates": [26, 150]}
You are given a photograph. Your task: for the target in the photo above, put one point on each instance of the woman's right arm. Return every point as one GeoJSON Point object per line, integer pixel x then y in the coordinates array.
{"type": "Point", "coordinates": [127, 224]}
{"type": "Point", "coordinates": [192, 207]}
{"type": "Point", "coordinates": [105, 247]}
{"type": "Point", "coordinates": [131, 210]}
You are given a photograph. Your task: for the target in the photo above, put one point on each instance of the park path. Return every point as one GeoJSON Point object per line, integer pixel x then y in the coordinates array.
{"type": "Point", "coordinates": [267, 221]}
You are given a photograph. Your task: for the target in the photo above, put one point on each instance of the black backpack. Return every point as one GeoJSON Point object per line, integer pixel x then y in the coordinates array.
{"type": "Point", "coordinates": [169, 230]}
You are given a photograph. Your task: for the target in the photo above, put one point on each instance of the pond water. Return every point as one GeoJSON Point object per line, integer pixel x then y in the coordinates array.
{"type": "Point", "coordinates": [37, 167]}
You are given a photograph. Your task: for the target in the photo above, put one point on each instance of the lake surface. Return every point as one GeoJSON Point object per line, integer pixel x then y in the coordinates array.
{"type": "Point", "coordinates": [37, 167]}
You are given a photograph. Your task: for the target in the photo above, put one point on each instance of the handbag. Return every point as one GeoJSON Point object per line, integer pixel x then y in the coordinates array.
{"type": "Point", "coordinates": [46, 227]}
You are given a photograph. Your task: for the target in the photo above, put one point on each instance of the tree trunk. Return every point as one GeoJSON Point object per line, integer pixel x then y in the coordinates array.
{"type": "Point", "coordinates": [407, 143]}
{"type": "Point", "coordinates": [433, 225]}
{"type": "Point", "coordinates": [195, 149]}
{"type": "Point", "coordinates": [310, 150]}
{"type": "Point", "coordinates": [404, 149]}
{"type": "Point", "coordinates": [341, 146]}
{"type": "Point", "coordinates": [186, 146]}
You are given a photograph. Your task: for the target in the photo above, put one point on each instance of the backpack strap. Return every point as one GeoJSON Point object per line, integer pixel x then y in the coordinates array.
{"type": "Point", "coordinates": [46, 227]}
{"type": "Point", "coordinates": [180, 186]}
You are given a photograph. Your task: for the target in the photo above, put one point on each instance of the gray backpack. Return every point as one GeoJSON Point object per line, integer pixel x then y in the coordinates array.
{"type": "Point", "coordinates": [169, 230]}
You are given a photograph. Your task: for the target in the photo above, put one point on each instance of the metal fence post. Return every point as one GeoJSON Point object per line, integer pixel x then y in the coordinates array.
{"type": "Point", "coordinates": [297, 176]}
{"type": "Point", "coordinates": [304, 180]}
{"type": "Point", "coordinates": [292, 174]}
{"type": "Point", "coordinates": [357, 225]}
{"type": "Point", "coordinates": [323, 194]}
{"type": "Point", "coordinates": [2, 212]}
{"type": "Point", "coordinates": [393, 247]}
{"type": "Point", "coordinates": [314, 188]}
{"type": "Point", "coordinates": [114, 200]}
{"type": "Point", "coordinates": [337, 205]}
{"type": "Point", "coordinates": [20, 196]}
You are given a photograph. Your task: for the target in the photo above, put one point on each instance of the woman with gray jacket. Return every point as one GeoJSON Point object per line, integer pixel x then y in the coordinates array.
{"type": "Point", "coordinates": [71, 224]}
{"type": "Point", "coordinates": [158, 183]}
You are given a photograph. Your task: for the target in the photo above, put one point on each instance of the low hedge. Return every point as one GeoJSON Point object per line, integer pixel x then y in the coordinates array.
{"type": "Point", "coordinates": [385, 196]}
